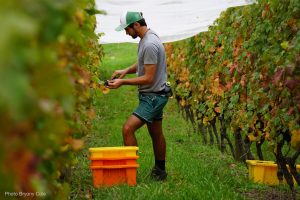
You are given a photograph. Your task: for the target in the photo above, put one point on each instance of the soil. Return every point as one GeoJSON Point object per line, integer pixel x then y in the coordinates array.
{"type": "Point", "coordinates": [270, 194]}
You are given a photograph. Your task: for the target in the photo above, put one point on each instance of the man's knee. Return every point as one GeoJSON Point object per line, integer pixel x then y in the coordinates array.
{"type": "Point", "coordinates": [127, 129]}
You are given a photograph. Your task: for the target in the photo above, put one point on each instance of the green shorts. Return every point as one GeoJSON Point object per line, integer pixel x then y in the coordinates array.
{"type": "Point", "coordinates": [150, 107]}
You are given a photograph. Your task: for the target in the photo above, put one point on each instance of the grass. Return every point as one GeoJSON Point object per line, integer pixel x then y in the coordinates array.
{"type": "Point", "coordinates": [195, 171]}
{"type": "Point", "coordinates": [117, 56]}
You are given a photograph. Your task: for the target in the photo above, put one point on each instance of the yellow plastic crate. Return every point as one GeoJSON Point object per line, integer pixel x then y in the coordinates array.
{"type": "Point", "coordinates": [264, 172]}
{"type": "Point", "coordinates": [113, 152]}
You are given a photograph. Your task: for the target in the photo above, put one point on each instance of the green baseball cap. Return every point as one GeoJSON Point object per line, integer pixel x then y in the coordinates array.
{"type": "Point", "coordinates": [128, 18]}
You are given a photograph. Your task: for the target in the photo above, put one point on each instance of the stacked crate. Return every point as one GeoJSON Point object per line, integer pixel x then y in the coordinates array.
{"type": "Point", "coordinates": [114, 165]}
{"type": "Point", "coordinates": [265, 172]}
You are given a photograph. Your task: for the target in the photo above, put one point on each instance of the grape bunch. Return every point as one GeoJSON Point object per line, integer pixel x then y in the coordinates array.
{"type": "Point", "coordinates": [106, 82]}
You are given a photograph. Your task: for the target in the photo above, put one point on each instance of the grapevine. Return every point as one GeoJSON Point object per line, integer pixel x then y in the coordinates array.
{"type": "Point", "coordinates": [49, 74]}
{"type": "Point", "coordinates": [243, 74]}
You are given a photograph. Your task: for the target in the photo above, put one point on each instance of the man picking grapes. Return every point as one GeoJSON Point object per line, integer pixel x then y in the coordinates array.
{"type": "Point", "coordinates": [151, 81]}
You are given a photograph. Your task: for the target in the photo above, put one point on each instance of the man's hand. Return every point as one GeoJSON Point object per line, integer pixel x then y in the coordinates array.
{"type": "Point", "coordinates": [147, 78]}
{"type": "Point", "coordinates": [119, 73]}
{"type": "Point", "coordinates": [115, 83]}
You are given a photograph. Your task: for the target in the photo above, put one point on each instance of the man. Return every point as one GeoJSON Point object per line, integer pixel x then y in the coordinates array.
{"type": "Point", "coordinates": [151, 82]}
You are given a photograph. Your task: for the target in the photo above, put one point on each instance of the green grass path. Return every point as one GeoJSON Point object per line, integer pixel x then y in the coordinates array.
{"type": "Point", "coordinates": [195, 171]}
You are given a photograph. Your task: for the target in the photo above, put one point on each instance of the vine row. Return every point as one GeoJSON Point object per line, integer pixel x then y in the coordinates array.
{"type": "Point", "coordinates": [239, 82]}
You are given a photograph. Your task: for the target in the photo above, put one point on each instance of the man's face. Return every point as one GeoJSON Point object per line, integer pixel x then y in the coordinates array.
{"type": "Point", "coordinates": [131, 31]}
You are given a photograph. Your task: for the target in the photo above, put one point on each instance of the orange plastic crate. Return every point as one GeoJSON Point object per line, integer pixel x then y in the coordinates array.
{"type": "Point", "coordinates": [131, 160]}
{"type": "Point", "coordinates": [114, 165]}
{"type": "Point", "coordinates": [114, 175]}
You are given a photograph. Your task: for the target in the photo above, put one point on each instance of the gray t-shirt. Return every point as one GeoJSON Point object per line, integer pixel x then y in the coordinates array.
{"type": "Point", "coordinates": [152, 51]}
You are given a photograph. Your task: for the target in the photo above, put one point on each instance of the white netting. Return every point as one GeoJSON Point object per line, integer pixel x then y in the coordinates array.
{"type": "Point", "coordinates": [172, 19]}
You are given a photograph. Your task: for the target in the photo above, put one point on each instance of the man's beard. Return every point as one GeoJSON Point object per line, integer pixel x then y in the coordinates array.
{"type": "Point", "coordinates": [134, 35]}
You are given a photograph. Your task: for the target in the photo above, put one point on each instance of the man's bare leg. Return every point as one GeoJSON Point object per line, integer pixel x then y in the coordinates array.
{"type": "Point", "coordinates": [158, 139]}
{"type": "Point", "coordinates": [131, 125]}
{"type": "Point", "coordinates": [159, 148]}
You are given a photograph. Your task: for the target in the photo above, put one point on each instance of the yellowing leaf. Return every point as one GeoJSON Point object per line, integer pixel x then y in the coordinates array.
{"type": "Point", "coordinates": [79, 17]}
{"type": "Point", "coordinates": [264, 13]}
{"type": "Point", "coordinates": [81, 81]}
{"type": "Point", "coordinates": [105, 90]}
{"type": "Point", "coordinates": [76, 144]}
{"type": "Point", "coordinates": [94, 85]}
{"type": "Point", "coordinates": [187, 84]}
{"type": "Point", "coordinates": [267, 136]}
{"type": "Point", "coordinates": [296, 139]}
{"type": "Point", "coordinates": [205, 120]}
{"type": "Point", "coordinates": [252, 138]}
{"type": "Point", "coordinates": [218, 109]}
{"type": "Point", "coordinates": [182, 103]}
{"type": "Point", "coordinates": [64, 148]}
{"type": "Point", "coordinates": [211, 50]}
{"type": "Point", "coordinates": [217, 91]}
{"type": "Point", "coordinates": [285, 45]}
{"type": "Point", "coordinates": [91, 113]}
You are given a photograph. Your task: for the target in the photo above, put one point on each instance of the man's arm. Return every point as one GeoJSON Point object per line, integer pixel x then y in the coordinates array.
{"type": "Point", "coordinates": [147, 78]}
{"type": "Point", "coordinates": [132, 69]}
